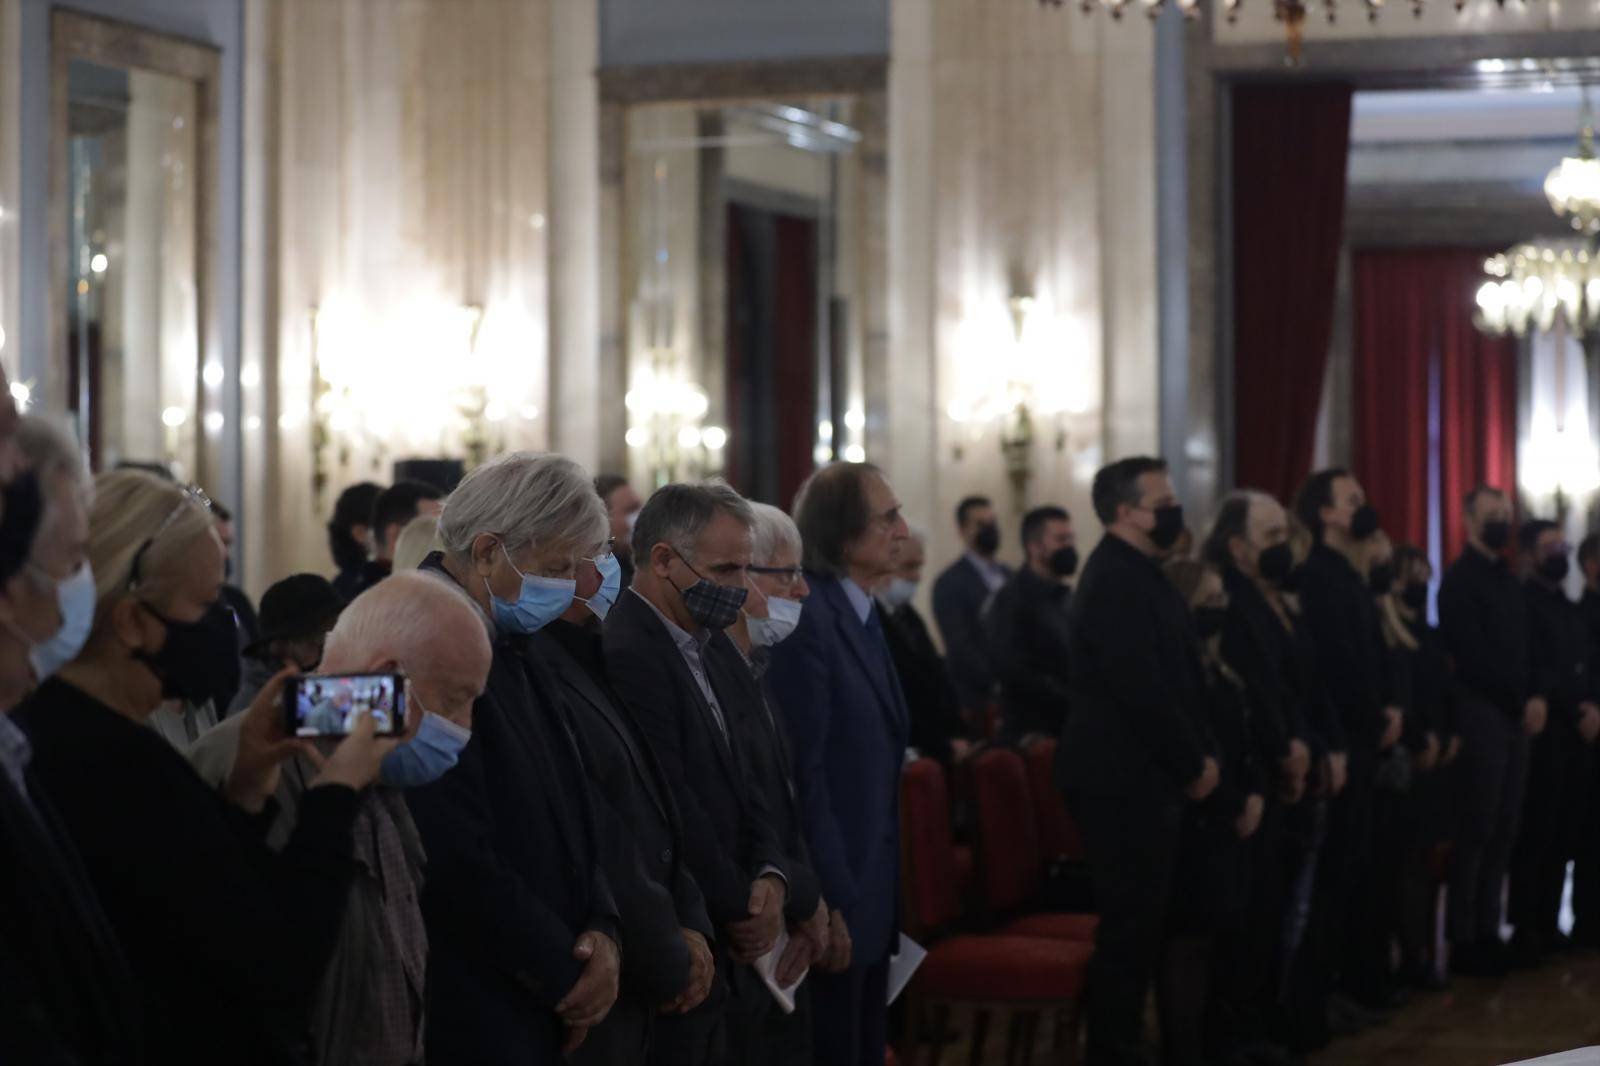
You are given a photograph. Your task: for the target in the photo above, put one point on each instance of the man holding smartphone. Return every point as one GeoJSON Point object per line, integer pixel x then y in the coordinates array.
{"type": "Point", "coordinates": [369, 1006]}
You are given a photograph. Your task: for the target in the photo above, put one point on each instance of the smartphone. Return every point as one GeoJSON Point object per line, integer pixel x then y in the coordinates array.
{"type": "Point", "coordinates": [327, 705]}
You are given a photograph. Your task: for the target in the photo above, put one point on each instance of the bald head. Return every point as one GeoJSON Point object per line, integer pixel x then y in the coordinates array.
{"type": "Point", "coordinates": [424, 626]}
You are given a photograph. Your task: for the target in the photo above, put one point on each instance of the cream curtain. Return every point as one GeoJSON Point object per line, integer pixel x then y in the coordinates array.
{"type": "Point", "coordinates": [403, 182]}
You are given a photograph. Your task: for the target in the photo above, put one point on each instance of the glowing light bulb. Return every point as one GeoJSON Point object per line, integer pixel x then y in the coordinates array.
{"type": "Point", "coordinates": [21, 393]}
{"type": "Point", "coordinates": [714, 437]}
{"type": "Point", "coordinates": [250, 375]}
{"type": "Point", "coordinates": [637, 437]}
{"type": "Point", "coordinates": [855, 454]}
{"type": "Point", "coordinates": [99, 263]}
{"type": "Point", "coordinates": [212, 374]}
{"type": "Point", "coordinates": [215, 421]}
{"type": "Point", "coordinates": [689, 437]}
{"type": "Point", "coordinates": [173, 417]}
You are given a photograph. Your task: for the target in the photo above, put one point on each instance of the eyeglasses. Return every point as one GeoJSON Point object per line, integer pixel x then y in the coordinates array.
{"type": "Point", "coordinates": [192, 495]}
{"type": "Point", "coordinates": [788, 575]}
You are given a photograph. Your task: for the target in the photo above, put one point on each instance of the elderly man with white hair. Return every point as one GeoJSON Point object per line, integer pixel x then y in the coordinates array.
{"type": "Point", "coordinates": [369, 1008]}
{"type": "Point", "coordinates": [521, 919]}
{"type": "Point", "coordinates": [771, 612]}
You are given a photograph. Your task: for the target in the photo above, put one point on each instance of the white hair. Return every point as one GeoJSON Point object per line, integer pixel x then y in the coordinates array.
{"type": "Point", "coordinates": [524, 498]}
{"type": "Point", "coordinates": [772, 532]}
{"type": "Point", "coordinates": [407, 617]}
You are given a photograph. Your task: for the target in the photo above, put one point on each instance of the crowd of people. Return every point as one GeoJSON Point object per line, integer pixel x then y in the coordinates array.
{"type": "Point", "coordinates": [651, 763]}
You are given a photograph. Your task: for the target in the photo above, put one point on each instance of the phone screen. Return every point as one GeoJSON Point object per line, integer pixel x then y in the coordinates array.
{"type": "Point", "coordinates": [328, 705]}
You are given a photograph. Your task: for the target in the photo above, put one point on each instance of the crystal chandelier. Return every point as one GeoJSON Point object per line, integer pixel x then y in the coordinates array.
{"type": "Point", "coordinates": [1533, 284]}
{"type": "Point", "coordinates": [1573, 187]}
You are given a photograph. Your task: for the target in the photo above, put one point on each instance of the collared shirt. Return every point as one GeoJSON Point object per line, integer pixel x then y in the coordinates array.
{"type": "Point", "coordinates": [858, 599]}
{"type": "Point", "coordinates": [15, 755]}
{"type": "Point", "coordinates": [689, 645]}
{"type": "Point", "coordinates": [993, 574]}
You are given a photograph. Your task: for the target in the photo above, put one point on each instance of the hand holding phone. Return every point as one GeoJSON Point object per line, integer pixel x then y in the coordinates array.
{"type": "Point", "coordinates": [328, 705]}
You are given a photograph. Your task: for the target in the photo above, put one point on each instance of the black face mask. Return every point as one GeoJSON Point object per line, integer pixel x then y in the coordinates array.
{"type": "Point", "coordinates": [1168, 527]}
{"type": "Point", "coordinates": [1291, 580]}
{"type": "Point", "coordinates": [987, 541]}
{"type": "Point", "coordinates": [1364, 523]}
{"type": "Point", "coordinates": [1208, 621]}
{"type": "Point", "coordinates": [1064, 562]}
{"type": "Point", "coordinates": [1554, 568]}
{"type": "Point", "coordinates": [1276, 563]}
{"type": "Point", "coordinates": [1496, 535]}
{"type": "Point", "coordinates": [1415, 596]}
{"type": "Point", "coordinates": [199, 660]}
{"type": "Point", "coordinates": [1380, 579]}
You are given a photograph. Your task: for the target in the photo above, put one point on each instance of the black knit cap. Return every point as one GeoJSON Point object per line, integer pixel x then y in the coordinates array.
{"type": "Point", "coordinates": [23, 506]}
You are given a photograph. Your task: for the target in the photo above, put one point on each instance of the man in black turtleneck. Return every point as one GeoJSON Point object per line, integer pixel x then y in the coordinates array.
{"type": "Point", "coordinates": [1343, 622]}
{"type": "Point", "coordinates": [1586, 868]}
{"type": "Point", "coordinates": [1560, 654]}
{"type": "Point", "coordinates": [1028, 630]}
{"type": "Point", "coordinates": [1483, 614]}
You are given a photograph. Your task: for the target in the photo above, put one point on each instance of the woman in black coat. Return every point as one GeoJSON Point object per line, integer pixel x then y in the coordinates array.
{"type": "Point", "coordinates": [1213, 865]}
{"type": "Point", "coordinates": [225, 938]}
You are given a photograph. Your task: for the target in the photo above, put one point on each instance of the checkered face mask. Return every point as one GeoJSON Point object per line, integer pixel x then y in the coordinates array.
{"type": "Point", "coordinates": [712, 606]}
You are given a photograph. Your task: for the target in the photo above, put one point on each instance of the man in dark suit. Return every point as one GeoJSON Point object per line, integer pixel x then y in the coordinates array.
{"type": "Point", "coordinates": [938, 729]}
{"type": "Point", "coordinates": [1134, 746]}
{"type": "Point", "coordinates": [522, 925]}
{"type": "Point", "coordinates": [847, 718]}
{"type": "Point", "coordinates": [667, 974]}
{"type": "Point", "coordinates": [771, 612]}
{"type": "Point", "coordinates": [1028, 630]}
{"type": "Point", "coordinates": [65, 991]}
{"type": "Point", "coordinates": [1483, 614]}
{"type": "Point", "coordinates": [959, 597]}
{"type": "Point", "coordinates": [691, 547]}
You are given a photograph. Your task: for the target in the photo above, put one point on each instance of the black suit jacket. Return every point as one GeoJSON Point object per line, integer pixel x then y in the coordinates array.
{"type": "Point", "coordinates": [727, 833]}
{"type": "Point", "coordinates": [1351, 657]}
{"type": "Point", "coordinates": [664, 897]}
{"type": "Point", "coordinates": [925, 679]}
{"type": "Point", "coordinates": [765, 739]}
{"type": "Point", "coordinates": [66, 995]}
{"type": "Point", "coordinates": [1259, 647]}
{"type": "Point", "coordinates": [959, 596]}
{"type": "Point", "coordinates": [1029, 637]}
{"type": "Point", "coordinates": [1137, 726]}
{"type": "Point", "coordinates": [514, 875]}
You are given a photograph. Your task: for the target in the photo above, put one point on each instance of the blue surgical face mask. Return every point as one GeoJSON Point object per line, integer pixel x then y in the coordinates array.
{"type": "Point", "coordinates": [899, 593]}
{"type": "Point", "coordinates": [76, 599]}
{"type": "Point", "coordinates": [782, 618]}
{"type": "Point", "coordinates": [605, 597]}
{"type": "Point", "coordinates": [542, 601]}
{"type": "Point", "coordinates": [427, 756]}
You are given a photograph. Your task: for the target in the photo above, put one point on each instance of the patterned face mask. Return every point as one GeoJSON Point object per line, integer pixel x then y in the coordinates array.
{"type": "Point", "coordinates": [712, 606]}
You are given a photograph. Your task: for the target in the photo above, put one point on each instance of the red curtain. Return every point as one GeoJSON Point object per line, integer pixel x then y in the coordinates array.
{"type": "Point", "coordinates": [1290, 148]}
{"type": "Point", "coordinates": [1414, 342]}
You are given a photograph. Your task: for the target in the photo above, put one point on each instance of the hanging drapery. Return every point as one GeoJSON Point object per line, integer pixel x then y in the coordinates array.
{"type": "Point", "coordinates": [1290, 146]}
{"type": "Point", "coordinates": [1419, 362]}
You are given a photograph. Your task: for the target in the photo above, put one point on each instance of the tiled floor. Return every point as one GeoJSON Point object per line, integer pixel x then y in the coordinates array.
{"type": "Point", "coordinates": [1474, 1023]}
{"type": "Point", "coordinates": [1482, 1023]}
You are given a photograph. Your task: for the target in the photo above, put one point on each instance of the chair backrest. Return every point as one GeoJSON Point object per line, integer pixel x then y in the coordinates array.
{"type": "Point", "coordinates": [932, 895]}
{"type": "Point", "coordinates": [1010, 870]}
{"type": "Point", "coordinates": [1058, 833]}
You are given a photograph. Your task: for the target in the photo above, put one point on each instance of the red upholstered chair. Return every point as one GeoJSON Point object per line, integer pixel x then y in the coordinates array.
{"type": "Point", "coordinates": [1024, 976]}
{"type": "Point", "coordinates": [1011, 866]}
{"type": "Point", "coordinates": [1058, 833]}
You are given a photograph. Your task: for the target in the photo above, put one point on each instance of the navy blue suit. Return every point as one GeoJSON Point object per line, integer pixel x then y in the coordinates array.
{"type": "Point", "coordinates": [835, 681]}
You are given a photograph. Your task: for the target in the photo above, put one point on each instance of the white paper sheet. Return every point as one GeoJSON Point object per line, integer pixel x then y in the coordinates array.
{"type": "Point", "coordinates": [903, 964]}
{"type": "Point", "coordinates": [767, 967]}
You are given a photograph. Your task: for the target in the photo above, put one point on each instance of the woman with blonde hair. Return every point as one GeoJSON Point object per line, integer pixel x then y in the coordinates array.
{"type": "Point", "coordinates": [226, 937]}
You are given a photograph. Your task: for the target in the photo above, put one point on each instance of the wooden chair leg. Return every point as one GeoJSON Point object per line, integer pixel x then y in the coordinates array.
{"type": "Point", "coordinates": [1069, 1036]}
{"type": "Point", "coordinates": [941, 1028]}
{"type": "Point", "coordinates": [1014, 1034]}
{"type": "Point", "coordinates": [1030, 1036]}
{"type": "Point", "coordinates": [980, 1036]}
